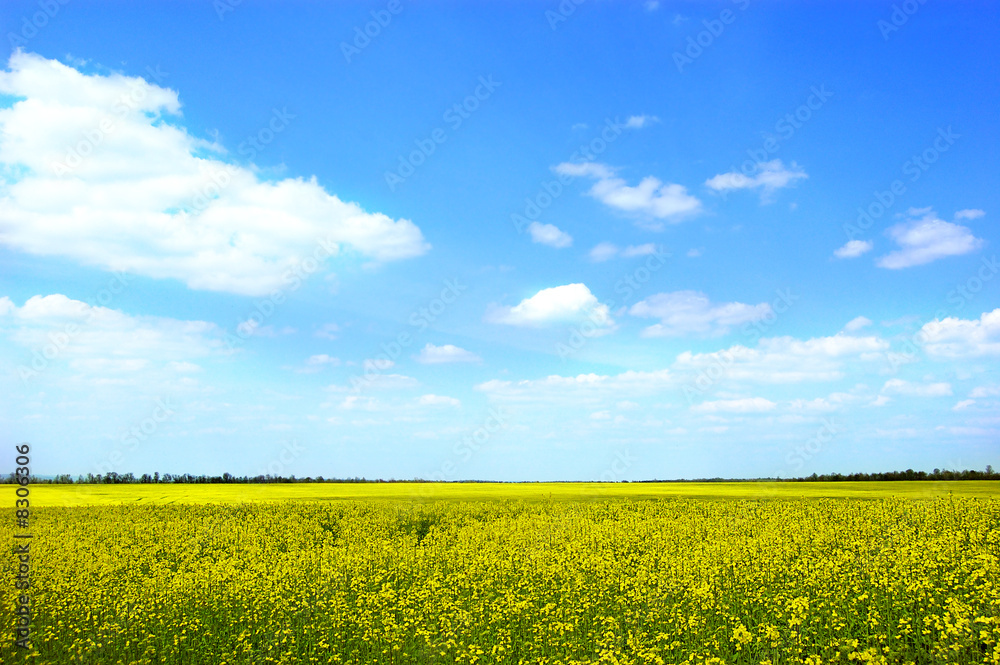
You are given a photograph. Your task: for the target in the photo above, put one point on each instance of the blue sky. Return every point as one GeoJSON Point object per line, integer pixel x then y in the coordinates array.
{"type": "Point", "coordinates": [511, 241]}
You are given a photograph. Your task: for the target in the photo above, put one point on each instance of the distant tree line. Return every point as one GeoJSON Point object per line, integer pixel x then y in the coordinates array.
{"type": "Point", "coordinates": [909, 474]}
{"type": "Point", "coordinates": [113, 478]}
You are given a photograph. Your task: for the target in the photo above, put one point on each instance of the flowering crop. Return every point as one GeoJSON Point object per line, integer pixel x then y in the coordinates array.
{"type": "Point", "coordinates": [885, 580]}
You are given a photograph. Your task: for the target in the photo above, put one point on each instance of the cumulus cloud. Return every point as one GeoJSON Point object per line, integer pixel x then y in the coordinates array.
{"type": "Point", "coordinates": [572, 302]}
{"type": "Point", "coordinates": [962, 338]}
{"type": "Point", "coordinates": [769, 177]}
{"type": "Point", "coordinates": [98, 169]}
{"type": "Point", "coordinates": [447, 353]}
{"type": "Point", "coordinates": [902, 387]}
{"type": "Point", "coordinates": [548, 234]}
{"type": "Point", "coordinates": [925, 239]}
{"type": "Point", "coordinates": [854, 249]}
{"type": "Point", "coordinates": [650, 198]}
{"type": "Point", "coordinates": [691, 312]}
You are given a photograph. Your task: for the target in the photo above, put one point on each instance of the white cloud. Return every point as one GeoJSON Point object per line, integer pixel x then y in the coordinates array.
{"type": "Point", "coordinates": [651, 5]}
{"type": "Point", "coordinates": [785, 359]}
{"type": "Point", "coordinates": [969, 213]}
{"type": "Point", "coordinates": [745, 405]}
{"type": "Point", "coordinates": [831, 402]}
{"type": "Point", "coordinates": [98, 339]}
{"type": "Point", "coordinates": [603, 251]}
{"type": "Point", "coordinates": [854, 249]}
{"type": "Point", "coordinates": [640, 121]}
{"type": "Point", "coordinates": [606, 250]}
{"type": "Point", "coordinates": [650, 197]}
{"type": "Point", "coordinates": [183, 367]}
{"type": "Point", "coordinates": [639, 250]}
{"type": "Point", "coordinates": [594, 170]}
{"type": "Point", "coordinates": [448, 353]}
{"type": "Point", "coordinates": [581, 389]}
{"type": "Point", "coordinates": [963, 338]}
{"type": "Point", "coordinates": [438, 400]}
{"type": "Point", "coordinates": [926, 239]}
{"type": "Point", "coordinates": [686, 312]}
{"type": "Point", "coordinates": [149, 198]}
{"type": "Point", "coordinates": [964, 404]}
{"type": "Point", "coordinates": [376, 381]}
{"type": "Point", "coordinates": [770, 177]}
{"type": "Point", "coordinates": [360, 403]}
{"type": "Point", "coordinates": [985, 391]}
{"type": "Point", "coordinates": [572, 302]}
{"type": "Point", "coordinates": [857, 323]}
{"type": "Point", "coordinates": [901, 387]}
{"type": "Point", "coordinates": [328, 331]}
{"type": "Point", "coordinates": [316, 363]}
{"type": "Point", "coordinates": [693, 253]}
{"type": "Point", "coordinates": [548, 234]}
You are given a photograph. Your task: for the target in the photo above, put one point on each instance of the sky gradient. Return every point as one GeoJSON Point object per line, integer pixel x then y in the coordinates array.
{"type": "Point", "coordinates": [503, 241]}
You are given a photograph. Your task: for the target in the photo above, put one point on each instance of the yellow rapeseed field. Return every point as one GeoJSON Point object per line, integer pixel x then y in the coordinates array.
{"type": "Point", "coordinates": [608, 580]}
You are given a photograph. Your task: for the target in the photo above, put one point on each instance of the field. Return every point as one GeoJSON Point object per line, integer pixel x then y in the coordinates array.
{"type": "Point", "coordinates": [91, 495]}
{"type": "Point", "coordinates": [638, 573]}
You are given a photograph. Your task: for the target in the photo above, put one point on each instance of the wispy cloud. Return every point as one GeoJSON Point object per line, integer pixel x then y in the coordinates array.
{"type": "Point", "coordinates": [769, 178]}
